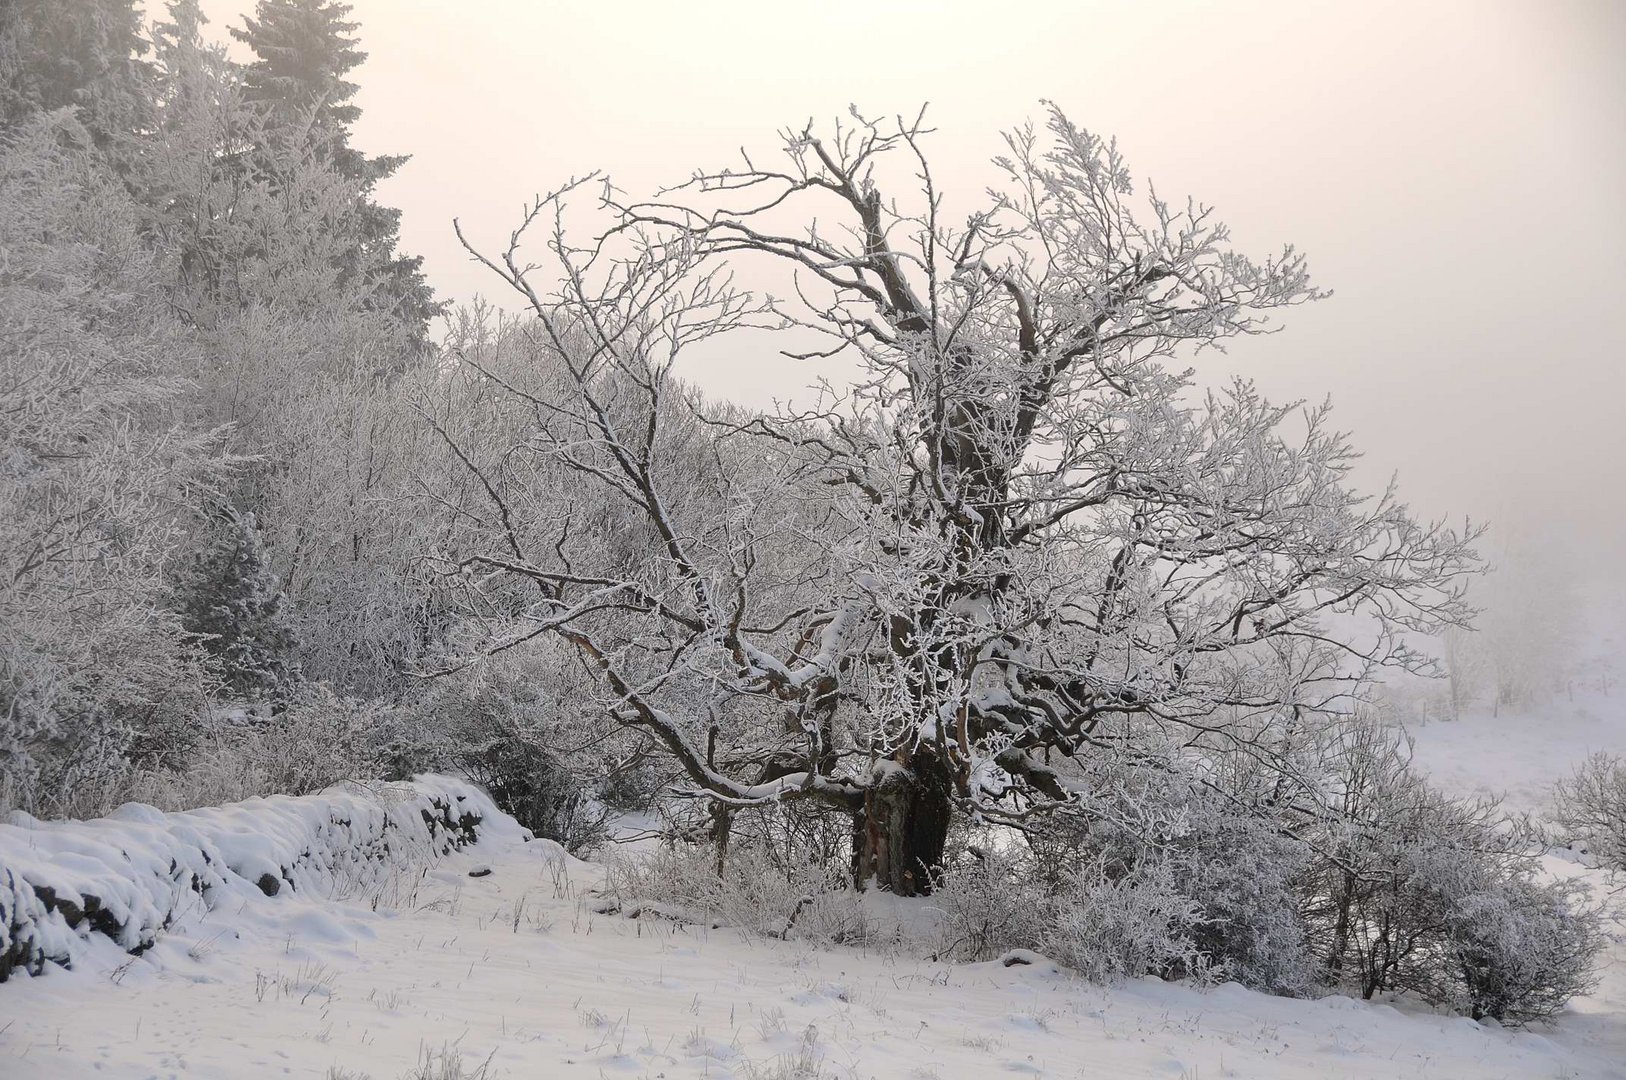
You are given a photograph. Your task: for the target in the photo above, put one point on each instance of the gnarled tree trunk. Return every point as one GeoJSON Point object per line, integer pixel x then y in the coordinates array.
{"type": "Point", "coordinates": [899, 836]}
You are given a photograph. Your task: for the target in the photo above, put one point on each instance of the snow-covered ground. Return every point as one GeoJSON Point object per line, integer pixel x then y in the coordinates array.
{"type": "Point", "coordinates": [512, 968]}
{"type": "Point", "coordinates": [1518, 754]}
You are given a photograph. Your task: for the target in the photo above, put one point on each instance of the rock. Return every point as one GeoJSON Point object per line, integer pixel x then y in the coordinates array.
{"type": "Point", "coordinates": [72, 913]}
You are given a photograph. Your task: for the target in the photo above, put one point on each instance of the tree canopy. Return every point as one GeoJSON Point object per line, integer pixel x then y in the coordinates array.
{"type": "Point", "coordinates": [1018, 536]}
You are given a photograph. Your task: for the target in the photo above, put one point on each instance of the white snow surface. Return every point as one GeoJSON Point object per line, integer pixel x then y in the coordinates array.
{"type": "Point", "coordinates": [514, 969]}
{"type": "Point", "coordinates": [1518, 754]}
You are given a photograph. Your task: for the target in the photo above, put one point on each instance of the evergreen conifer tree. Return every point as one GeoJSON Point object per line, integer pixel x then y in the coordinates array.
{"type": "Point", "coordinates": [87, 54]}
{"type": "Point", "coordinates": [303, 51]}
{"type": "Point", "coordinates": [234, 601]}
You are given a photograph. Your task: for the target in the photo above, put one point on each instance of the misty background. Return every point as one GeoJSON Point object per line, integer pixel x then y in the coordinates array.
{"type": "Point", "coordinates": [1453, 170]}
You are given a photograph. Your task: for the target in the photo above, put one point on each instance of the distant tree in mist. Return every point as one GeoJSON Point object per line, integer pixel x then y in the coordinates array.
{"type": "Point", "coordinates": [87, 55]}
{"type": "Point", "coordinates": [1464, 668]}
{"type": "Point", "coordinates": [1524, 643]}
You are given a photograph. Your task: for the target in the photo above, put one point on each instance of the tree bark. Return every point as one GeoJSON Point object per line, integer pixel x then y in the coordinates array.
{"type": "Point", "coordinates": [899, 836]}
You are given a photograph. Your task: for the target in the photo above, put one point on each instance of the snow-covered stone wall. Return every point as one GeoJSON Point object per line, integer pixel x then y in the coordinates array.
{"type": "Point", "coordinates": [139, 871]}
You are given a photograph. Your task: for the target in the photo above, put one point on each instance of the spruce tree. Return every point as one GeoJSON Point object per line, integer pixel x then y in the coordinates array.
{"type": "Point", "coordinates": [87, 54]}
{"type": "Point", "coordinates": [232, 599]}
{"type": "Point", "coordinates": [303, 51]}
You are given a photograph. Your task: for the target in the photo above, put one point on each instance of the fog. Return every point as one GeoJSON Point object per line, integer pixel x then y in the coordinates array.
{"type": "Point", "coordinates": [1454, 170]}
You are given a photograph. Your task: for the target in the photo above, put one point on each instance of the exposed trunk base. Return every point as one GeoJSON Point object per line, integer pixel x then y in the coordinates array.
{"type": "Point", "coordinates": [899, 837]}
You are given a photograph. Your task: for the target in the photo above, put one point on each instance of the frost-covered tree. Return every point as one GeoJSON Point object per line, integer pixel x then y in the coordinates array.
{"type": "Point", "coordinates": [303, 50]}
{"type": "Point", "coordinates": [258, 224]}
{"type": "Point", "coordinates": [230, 598]}
{"type": "Point", "coordinates": [1017, 535]}
{"type": "Point", "coordinates": [97, 480]}
{"type": "Point", "coordinates": [347, 530]}
{"type": "Point", "coordinates": [87, 55]}
{"type": "Point", "coordinates": [190, 256]}
{"type": "Point", "coordinates": [259, 237]}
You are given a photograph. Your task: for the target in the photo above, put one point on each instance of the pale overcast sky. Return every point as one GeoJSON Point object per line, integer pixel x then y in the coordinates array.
{"type": "Point", "coordinates": [1455, 170]}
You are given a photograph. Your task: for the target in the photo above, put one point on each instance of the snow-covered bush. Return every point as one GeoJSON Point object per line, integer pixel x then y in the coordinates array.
{"type": "Point", "coordinates": [1377, 884]}
{"type": "Point", "coordinates": [1107, 926]}
{"type": "Point", "coordinates": [1463, 922]}
{"type": "Point", "coordinates": [1524, 948]}
{"type": "Point", "coordinates": [1589, 809]}
{"type": "Point", "coordinates": [319, 739]}
{"type": "Point", "coordinates": [991, 902]}
{"type": "Point", "coordinates": [1208, 826]}
{"type": "Point", "coordinates": [1416, 891]}
{"type": "Point", "coordinates": [1243, 871]}
{"type": "Point", "coordinates": [791, 836]}
{"type": "Point", "coordinates": [1212, 895]}
{"type": "Point", "coordinates": [527, 729]}
{"type": "Point", "coordinates": [1101, 920]}
{"type": "Point", "coordinates": [535, 785]}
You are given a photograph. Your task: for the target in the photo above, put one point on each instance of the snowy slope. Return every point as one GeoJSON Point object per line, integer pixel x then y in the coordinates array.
{"type": "Point", "coordinates": [512, 967]}
{"type": "Point", "coordinates": [1520, 753]}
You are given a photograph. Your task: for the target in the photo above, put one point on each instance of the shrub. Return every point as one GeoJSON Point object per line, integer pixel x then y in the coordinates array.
{"type": "Point", "coordinates": [1416, 891]}
{"type": "Point", "coordinates": [532, 783]}
{"type": "Point", "coordinates": [1102, 920]}
{"type": "Point", "coordinates": [1210, 830]}
{"type": "Point", "coordinates": [1524, 948]}
{"type": "Point", "coordinates": [1216, 900]}
{"type": "Point", "coordinates": [1108, 926]}
{"type": "Point", "coordinates": [532, 731]}
{"type": "Point", "coordinates": [1590, 809]}
{"type": "Point", "coordinates": [1201, 868]}
{"type": "Point", "coordinates": [991, 903]}
{"type": "Point", "coordinates": [320, 739]}
{"type": "Point", "coordinates": [1243, 873]}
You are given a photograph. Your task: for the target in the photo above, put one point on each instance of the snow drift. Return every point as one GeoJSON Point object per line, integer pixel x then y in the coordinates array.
{"type": "Point", "coordinates": [138, 872]}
